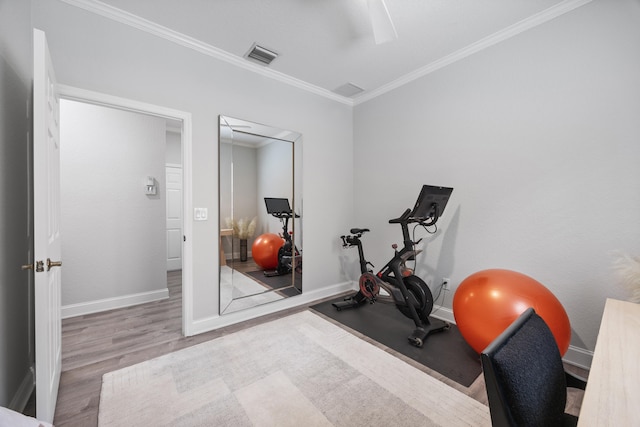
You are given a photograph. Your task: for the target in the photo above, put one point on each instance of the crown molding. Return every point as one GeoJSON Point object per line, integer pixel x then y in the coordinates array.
{"type": "Point", "coordinates": [126, 18]}
{"type": "Point", "coordinates": [495, 38]}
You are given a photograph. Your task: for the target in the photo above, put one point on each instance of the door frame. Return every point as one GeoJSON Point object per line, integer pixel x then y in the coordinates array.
{"type": "Point", "coordinates": [97, 98]}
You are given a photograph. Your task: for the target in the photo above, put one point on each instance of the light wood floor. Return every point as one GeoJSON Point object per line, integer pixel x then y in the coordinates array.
{"type": "Point", "coordinates": [95, 344]}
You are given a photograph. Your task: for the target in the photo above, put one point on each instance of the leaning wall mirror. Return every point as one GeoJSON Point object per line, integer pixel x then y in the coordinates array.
{"type": "Point", "coordinates": [260, 198]}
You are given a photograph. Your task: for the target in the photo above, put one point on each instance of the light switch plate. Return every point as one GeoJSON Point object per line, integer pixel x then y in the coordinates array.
{"type": "Point", "coordinates": [200, 214]}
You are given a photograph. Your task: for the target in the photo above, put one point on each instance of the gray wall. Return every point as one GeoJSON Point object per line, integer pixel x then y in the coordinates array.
{"type": "Point", "coordinates": [114, 242]}
{"type": "Point", "coordinates": [94, 53]}
{"type": "Point", "coordinates": [174, 148]}
{"type": "Point", "coordinates": [244, 193]}
{"type": "Point", "coordinates": [274, 179]}
{"type": "Point", "coordinates": [16, 312]}
{"type": "Point", "coordinates": [539, 135]}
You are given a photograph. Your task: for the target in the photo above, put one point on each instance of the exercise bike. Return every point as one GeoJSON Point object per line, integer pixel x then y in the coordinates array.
{"type": "Point", "coordinates": [410, 294]}
{"type": "Point", "coordinates": [288, 255]}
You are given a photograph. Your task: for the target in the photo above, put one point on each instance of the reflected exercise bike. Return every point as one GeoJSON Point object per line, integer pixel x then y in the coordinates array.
{"type": "Point", "coordinates": [288, 255]}
{"type": "Point", "coordinates": [410, 294]}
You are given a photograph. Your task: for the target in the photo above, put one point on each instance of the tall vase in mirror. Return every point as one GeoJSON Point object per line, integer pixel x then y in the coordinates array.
{"type": "Point", "coordinates": [260, 199]}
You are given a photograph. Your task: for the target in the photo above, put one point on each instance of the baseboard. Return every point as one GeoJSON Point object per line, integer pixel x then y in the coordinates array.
{"type": "Point", "coordinates": [575, 356]}
{"type": "Point", "coordinates": [443, 313]}
{"type": "Point", "coordinates": [216, 322]}
{"type": "Point", "coordinates": [27, 386]}
{"type": "Point", "coordinates": [97, 306]}
{"type": "Point", "coordinates": [579, 357]}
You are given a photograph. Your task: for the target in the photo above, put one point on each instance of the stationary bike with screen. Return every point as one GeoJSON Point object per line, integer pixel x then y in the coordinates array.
{"type": "Point", "coordinates": [288, 255]}
{"type": "Point", "coordinates": [410, 294]}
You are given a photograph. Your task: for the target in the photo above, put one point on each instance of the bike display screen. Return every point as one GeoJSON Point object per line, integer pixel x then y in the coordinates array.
{"type": "Point", "coordinates": [277, 205]}
{"type": "Point", "coordinates": [431, 202]}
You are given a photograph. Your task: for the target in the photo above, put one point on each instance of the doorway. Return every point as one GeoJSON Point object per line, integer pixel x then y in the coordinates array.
{"type": "Point", "coordinates": [141, 195]}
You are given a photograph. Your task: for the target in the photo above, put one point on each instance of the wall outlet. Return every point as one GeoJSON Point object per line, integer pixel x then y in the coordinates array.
{"type": "Point", "coordinates": [445, 283]}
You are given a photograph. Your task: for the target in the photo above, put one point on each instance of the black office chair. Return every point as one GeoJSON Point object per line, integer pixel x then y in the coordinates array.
{"type": "Point", "coordinates": [525, 378]}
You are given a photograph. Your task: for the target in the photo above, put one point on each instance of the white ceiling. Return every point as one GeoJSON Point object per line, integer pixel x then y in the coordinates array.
{"type": "Point", "coordinates": [328, 43]}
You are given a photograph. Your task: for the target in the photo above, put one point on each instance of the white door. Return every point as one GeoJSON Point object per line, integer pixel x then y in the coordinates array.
{"type": "Point", "coordinates": [46, 211]}
{"type": "Point", "coordinates": [174, 217]}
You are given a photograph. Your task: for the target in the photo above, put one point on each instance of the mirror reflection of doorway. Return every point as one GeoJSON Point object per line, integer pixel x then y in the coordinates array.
{"type": "Point", "coordinates": [258, 162]}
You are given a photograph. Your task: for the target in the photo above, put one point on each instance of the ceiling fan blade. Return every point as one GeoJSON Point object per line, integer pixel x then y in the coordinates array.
{"type": "Point", "coordinates": [383, 28]}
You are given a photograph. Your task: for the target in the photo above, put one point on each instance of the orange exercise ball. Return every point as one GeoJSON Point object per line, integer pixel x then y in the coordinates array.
{"type": "Point", "coordinates": [488, 301]}
{"type": "Point", "coordinates": [265, 250]}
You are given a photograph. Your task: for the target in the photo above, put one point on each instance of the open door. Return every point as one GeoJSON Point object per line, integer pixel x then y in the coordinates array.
{"type": "Point", "coordinates": [46, 212]}
{"type": "Point", "coordinates": [174, 217]}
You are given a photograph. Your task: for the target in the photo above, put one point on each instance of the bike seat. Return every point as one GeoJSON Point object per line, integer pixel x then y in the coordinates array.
{"type": "Point", "coordinates": [358, 230]}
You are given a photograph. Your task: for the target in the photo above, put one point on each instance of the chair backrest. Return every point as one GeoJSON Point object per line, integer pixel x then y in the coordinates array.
{"type": "Point", "coordinates": [524, 375]}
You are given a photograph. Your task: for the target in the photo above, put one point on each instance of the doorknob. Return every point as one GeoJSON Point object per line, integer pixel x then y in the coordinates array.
{"type": "Point", "coordinates": [53, 264]}
{"type": "Point", "coordinates": [39, 266]}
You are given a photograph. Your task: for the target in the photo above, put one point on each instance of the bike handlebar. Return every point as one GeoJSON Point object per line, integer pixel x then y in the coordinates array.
{"type": "Point", "coordinates": [403, 218]}
{"type": "Point", "coordinates": [281, 215]}
{"type": "Point", "coordinates": [406, 218]}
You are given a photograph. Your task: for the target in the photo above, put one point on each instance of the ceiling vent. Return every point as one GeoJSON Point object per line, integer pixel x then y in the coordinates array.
{"type": "Point", "coordinates": [349, 90]}
{"type": "Point", "coordinates": [261, 55]}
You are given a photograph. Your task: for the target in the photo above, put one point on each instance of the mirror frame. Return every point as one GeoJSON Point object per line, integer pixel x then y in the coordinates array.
{"type": "Point", "coordinates": [233, 129]}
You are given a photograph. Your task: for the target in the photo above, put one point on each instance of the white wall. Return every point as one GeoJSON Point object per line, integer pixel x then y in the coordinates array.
{"type": "Point", "coordinates": [245, 204]}
{"type": "Point", "coordinates": [540, 138]}
{"type": "Point", "coordinates": [16, 224]}
{"type": "Point", "coordinates": [245, 183]}
{"type": "Point", "coordinates": [174, 148]}
{"type": "Point", "coordinates": [275, 179]}
{"type": "Point", "coordinates": [114, 242]}
{"type": "Point", "coordinates": [92, 52]}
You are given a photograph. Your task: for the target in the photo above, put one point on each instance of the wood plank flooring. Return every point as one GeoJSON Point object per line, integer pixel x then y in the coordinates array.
{"type": "Point", "coordinates": [95, 344]}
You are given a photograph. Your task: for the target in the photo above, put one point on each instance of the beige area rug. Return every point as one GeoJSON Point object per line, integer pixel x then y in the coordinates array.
{"type": "Point", "coordinates": [299, 370]}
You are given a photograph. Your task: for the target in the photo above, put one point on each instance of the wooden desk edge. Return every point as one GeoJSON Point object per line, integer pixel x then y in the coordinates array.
{"type": "Point", "coordinates": [613, 388]}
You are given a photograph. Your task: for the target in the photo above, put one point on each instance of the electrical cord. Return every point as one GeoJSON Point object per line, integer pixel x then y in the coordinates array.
{"type": "Point", "coordinates": [426, 227]}
{"type": "Point", "coordinates": [435, 299]}
{"type": "Point", "coordinates": [413, 236]}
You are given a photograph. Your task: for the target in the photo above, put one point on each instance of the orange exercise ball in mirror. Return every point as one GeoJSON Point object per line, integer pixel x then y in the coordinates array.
{"type": "Point", "coordinates": [488, 301]}
{"type": "Point", "coordinates": [264, 250]}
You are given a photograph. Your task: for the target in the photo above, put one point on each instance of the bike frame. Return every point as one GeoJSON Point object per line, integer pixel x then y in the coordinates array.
{"type": "Point", "coordinates": [391, 273]}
